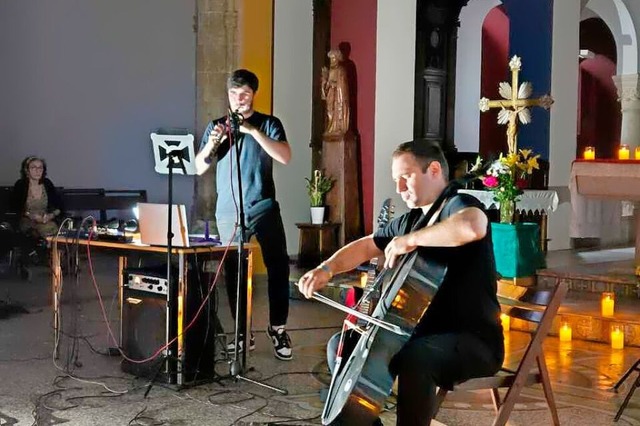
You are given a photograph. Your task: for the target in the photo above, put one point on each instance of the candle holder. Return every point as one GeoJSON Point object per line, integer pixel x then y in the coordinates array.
{"type": "Point", "coordinates": [637, 153]}
{"type": "Point", "coordinates": [565, 332]}
{"type": "Point", "coordinates": [589, 153]}
{"type": "Point", "coordinates": [607, 304]}
{"type": "Point", "coordinates": [617, 337]}
{"type": "Point", "coordinates": [623, 152]}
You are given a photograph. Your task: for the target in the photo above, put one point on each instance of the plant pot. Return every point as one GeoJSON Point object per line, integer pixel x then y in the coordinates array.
{"type": "Point", "coordinates": [516, 249]}
{"type": "Point", "coordinates": [317, 215]}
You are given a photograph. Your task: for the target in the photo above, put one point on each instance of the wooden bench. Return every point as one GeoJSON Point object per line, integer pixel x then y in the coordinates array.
{"type": "Point", "coordinates": [537, 307]}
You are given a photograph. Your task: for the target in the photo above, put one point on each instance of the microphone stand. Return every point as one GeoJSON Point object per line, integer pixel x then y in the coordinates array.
{"type": "Point", "coordinates": [174, 159]}
{"type": "Point", "coordinates": [237, 367]}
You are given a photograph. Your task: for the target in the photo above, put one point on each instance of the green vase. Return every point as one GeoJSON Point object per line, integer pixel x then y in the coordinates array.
{"type": "Point", "coordinates": [507, 210]}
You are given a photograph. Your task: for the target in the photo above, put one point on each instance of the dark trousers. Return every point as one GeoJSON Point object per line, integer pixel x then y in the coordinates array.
{"type": "Point", "coordinates": [424, 363]}
{"type": "Point", "coordinates": [269, 230]}
{"type": "Point", "coordinates": [438, 360]}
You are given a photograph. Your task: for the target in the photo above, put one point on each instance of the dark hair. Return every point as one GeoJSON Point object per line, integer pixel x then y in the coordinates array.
{"type": "Point", "coordinates": [24, 167]}
{"type": "Point", "coordinates": [425, 151]}
{"type": "Point", "coordinates": [243, 77]}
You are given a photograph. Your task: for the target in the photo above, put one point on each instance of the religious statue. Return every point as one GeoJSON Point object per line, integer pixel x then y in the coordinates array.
{"type": "Point", "coordinates": [515, 104]}
{"type": "Point", "coordinates": [335, 91]}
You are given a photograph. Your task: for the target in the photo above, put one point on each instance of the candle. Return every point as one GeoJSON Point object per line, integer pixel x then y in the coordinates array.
{"type": "Point", "coordinates": [607, 302]}
{"type": "Point", "coordinates": [623, 152]}
{"type": "Point", "coordinates": [637, 155]}
{"type": "Point", "coordinates": [506, 322]}
{"type": "Point", "coordinates": [589, 153]}
{"type": "Point", "coordinates": [617, 337]}
{"type": "Point", "coordinates": [565, 332]}
{"type": "Point", "coordinates": [364, 278]}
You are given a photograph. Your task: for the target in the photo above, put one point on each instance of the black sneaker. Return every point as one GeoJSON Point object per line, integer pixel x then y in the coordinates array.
{"type": "Point", "coordinates": [281, 343]}
{"type": "Point", "coordinates": [231, 347]}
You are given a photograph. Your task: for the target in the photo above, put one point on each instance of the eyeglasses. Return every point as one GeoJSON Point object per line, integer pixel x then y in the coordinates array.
{"type": "Point", "coordinates": [36, 167]}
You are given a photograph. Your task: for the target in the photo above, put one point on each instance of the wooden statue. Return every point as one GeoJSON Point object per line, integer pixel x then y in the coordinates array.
{"type": "Point", "coordinates": [335, 91]}
{"type": "Point", "coordinates": [340, 151]}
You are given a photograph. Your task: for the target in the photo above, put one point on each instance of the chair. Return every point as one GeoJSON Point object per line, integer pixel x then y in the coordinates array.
{"type": "Point", "coordinates": [537, 307]}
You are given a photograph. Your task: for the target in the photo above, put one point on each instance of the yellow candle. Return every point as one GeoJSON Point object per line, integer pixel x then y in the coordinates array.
{"type": "Point", "coordinates": [565, 332]}
{"type": "Point", "coordinates": [364, 278]}
{"type": "Point", "coordinates": [607, 304]}
{"type": "Point", "coordinates": [617, 337]}
{"type": "Point", "coordinates": [589, 153]}
{"type": "Point", "coordinates": [623, 152]}
{"type": "Point", "coordinates": [506, 322]}
{"type": "Point", "coordinates": [637, 155]}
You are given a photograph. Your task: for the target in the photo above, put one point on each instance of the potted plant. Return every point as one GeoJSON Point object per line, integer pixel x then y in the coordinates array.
{"type": "Point", "coordinates": [515, 245]}
{"type": "Point", "coordinates": [317, 187]}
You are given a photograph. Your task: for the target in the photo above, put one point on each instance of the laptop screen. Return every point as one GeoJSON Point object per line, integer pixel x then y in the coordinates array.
{"type": "Point", "coordinates": [153, 219]}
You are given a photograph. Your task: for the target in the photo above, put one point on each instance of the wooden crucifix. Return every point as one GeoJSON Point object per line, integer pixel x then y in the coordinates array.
{"type": "Point", "coordinates": [515, 105]}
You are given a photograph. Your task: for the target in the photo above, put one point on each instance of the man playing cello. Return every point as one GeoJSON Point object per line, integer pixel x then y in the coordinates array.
{"type": "Point", "coordinates": [459, 336]}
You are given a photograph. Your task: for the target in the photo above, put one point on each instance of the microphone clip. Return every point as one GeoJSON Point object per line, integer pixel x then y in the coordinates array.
{"type": "Point", "coordinates": [235, 118]}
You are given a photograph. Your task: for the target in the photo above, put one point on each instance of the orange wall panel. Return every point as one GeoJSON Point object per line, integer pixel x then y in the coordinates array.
{"type": "Point", "coordinates": [256, 47]}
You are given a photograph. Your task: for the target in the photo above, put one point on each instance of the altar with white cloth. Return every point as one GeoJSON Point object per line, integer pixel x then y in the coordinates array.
{"type": "Point", "coordinates": [532, 202]}
{"type": "Point", "coordinates": [598, 188]}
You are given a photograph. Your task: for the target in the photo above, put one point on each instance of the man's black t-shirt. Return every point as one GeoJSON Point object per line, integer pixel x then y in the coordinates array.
{"type": "Point", "coordinates": [466, 301]}
{"type": "Point", "coordinates": [256, 166]}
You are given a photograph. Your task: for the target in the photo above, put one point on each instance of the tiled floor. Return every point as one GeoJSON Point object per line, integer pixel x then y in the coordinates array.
{"type": "Point", "coordinates": [35, 389]}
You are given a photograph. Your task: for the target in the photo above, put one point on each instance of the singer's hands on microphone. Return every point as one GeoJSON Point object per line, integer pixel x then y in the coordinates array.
{"type": "Point", "coordinates": [217, 135]}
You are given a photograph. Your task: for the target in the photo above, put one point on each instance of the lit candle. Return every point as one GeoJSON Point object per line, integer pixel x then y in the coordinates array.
{"type": "Point", "coordinates": [589, 153]}
{"type": "Point", "coordinates": [623, 152]}
{"type": "Point", "coordinates": [364, 277]}
{"type": "Point", "coordinates": [617, 337]}
{"type": "Point", "coordinates": [565, 332]}
{"type": "Point", "coordinates": [506, 322]}
{"type": "Point", "coordinates": [637, 154]}
{"type": "Point", "coordinates": [607, 303]}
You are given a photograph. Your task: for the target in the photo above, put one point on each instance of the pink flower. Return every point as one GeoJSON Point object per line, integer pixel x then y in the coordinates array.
{"type": "Point", "coordinates": [490, 181]}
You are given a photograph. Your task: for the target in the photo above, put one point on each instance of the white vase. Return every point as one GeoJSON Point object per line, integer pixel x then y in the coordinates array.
{"type": "Point", "coordinates": [317, 215]}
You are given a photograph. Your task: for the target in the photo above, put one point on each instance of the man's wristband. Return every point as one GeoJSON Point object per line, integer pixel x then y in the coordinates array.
{"type": "Point", "coordinates": [326, 268]}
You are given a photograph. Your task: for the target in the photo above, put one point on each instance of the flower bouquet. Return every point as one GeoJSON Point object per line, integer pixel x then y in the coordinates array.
{"type": "Point", "coordinates": [506, 177]}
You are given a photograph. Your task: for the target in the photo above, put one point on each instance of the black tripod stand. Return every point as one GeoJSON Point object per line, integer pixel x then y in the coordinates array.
{"type": "Point", "coordinates": [636, 384]}
{"type": "Point", "coordinates": [237, 366]}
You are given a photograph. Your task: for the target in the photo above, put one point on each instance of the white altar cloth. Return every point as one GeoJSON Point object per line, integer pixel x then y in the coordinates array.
{"type": "Point", "coordinates": [532, 200]}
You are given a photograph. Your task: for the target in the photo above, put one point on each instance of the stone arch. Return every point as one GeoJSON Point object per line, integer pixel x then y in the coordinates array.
{"type": "Point", "coordinates": [599, 115]}
{"type": "Point", "coordinates": [617, 17]}
{"type": "Point", "coordinates": [468, 76]}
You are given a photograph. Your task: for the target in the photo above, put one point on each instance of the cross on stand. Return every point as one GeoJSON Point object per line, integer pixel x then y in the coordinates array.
{"type": "Point", "coordinates": [515, 104]}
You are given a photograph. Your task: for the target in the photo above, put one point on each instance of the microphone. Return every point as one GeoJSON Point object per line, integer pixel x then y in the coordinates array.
{"type": "Point", "coordinates": [235, 117]}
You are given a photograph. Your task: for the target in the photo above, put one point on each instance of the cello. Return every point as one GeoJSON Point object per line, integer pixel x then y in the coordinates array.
{"type": "Point", "coordinates": [361, 380]}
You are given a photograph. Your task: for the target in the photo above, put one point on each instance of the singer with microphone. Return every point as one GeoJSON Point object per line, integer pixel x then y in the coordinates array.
{"type": "Point", "coordinates": [261, 140]}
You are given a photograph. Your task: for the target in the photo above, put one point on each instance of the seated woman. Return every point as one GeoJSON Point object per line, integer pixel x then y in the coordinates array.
{"type": "Point", "coordinates": [36, 200]}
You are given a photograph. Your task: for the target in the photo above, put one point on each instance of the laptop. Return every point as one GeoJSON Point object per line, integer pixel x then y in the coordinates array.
{"type": "Point", "coordinates": [152, 220]}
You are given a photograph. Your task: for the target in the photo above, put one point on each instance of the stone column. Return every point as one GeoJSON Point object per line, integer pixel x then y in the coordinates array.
{"type": "Point", "coordinates": [217, 55]}
{"type": "Point", "coordinates": [629, 96]}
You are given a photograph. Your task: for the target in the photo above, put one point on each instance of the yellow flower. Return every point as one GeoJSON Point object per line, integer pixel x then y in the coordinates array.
{"type": "Point", "coordinates": [525, 153]}
{"type": "Point", "coordinates": [510, 160]}
{"type": "Point", "coordinates": [532, 163]}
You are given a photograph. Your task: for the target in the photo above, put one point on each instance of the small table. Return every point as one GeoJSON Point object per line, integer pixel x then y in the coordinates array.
{"type": "Point", "coordinates": [317, 242]}
{"type": "Point", "coordinates": [176, 298]}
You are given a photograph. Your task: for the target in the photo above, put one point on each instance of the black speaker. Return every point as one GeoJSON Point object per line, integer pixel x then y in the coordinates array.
{"type": "Point", "coordinates": [144, 332]}
{"type": "Point", "coordinates": [150, 323]}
